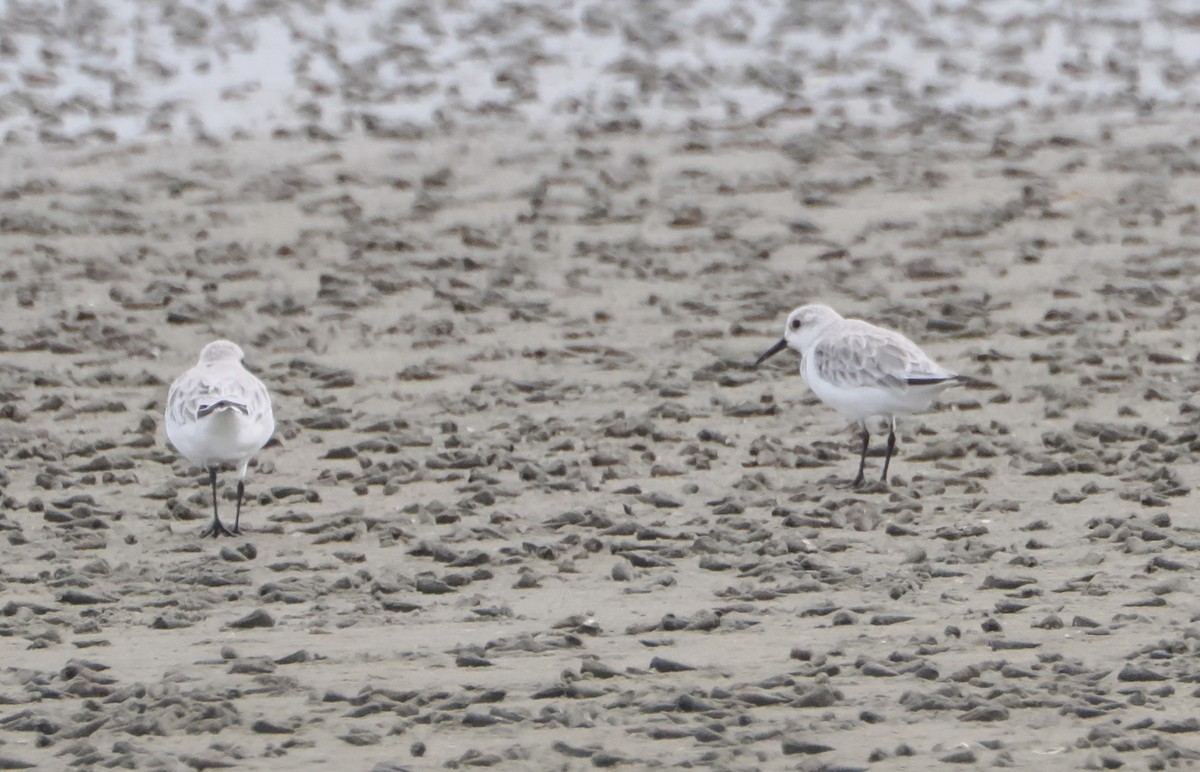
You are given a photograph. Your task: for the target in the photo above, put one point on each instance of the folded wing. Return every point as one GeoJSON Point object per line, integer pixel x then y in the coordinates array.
{"type": "Point", "coordinates": [196, 397]}
{"type": "Point", "coordinates": [867, 356]}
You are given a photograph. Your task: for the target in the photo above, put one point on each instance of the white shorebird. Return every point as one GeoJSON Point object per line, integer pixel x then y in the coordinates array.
{"type": "Point", "coordinates": [862, 370]}
{"type": "Point", "coordinates": [218, 413]}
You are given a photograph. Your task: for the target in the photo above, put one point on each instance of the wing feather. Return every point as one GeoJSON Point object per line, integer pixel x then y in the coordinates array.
{"type": "Point", "coordinates": [858, 354]}
{"type": "Point", "coordinates": [195, 388]}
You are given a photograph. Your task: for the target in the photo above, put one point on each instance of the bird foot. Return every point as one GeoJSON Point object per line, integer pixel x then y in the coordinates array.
{"type": "Point", "coordinates": [217, 529]}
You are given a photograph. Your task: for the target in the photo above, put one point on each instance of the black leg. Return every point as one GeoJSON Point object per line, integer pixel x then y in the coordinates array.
{"type": "Point", "coordinates": [216, 529]}
{"type": "Point", "coordinates": [237, 518]}
{"type": "Point", "coordinates": [862, 460]}
{"type": "Point", "coordinates": [891, 445]}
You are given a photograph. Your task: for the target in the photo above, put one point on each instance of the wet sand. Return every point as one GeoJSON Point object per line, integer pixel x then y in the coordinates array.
{"type": "Point", "coordinates": [529, 506]}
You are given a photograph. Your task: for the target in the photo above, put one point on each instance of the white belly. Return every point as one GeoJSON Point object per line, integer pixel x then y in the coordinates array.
{"type": "Point", "coordinates": [862, 402]}
{"type": "Point", "coordinates": [223, 437]}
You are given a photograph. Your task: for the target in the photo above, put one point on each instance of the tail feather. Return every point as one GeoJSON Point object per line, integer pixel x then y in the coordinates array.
{"type": "Point", "coordinates": [221, 404]}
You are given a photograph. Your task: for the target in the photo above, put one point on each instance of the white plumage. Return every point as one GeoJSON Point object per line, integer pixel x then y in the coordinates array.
{"type": "Point", "coordinates": [862, 370]}
{"type": "Point", "coordinates": [219, 414]}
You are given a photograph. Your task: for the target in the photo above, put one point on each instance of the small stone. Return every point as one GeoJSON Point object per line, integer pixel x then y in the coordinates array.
{"type": "Point", "coordinates": [662, 665]}
{"type": "Point", "coordinates": [985, 713]}
{"type": "Point", "coordinates": [792, 746]}
{"type": "Point", "coordinates": [360, 737]}
{"type": "Point", "coordinates": [1135, 673]}
{"type": "Point", "coordinates": [256, 618]}
{"type": "Point", "coordinates": [471, 660]}
{"type": "Point", "coordinates": [262, 726]}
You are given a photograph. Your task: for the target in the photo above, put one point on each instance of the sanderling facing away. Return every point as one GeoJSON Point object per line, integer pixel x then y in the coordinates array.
{"type": "Point", "coordinates": [862, 370]}
{"type": "Point", "coordinates": [218, 413]}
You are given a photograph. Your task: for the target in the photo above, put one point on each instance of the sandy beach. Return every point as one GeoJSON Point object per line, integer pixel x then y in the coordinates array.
{"type": "Point", "coordinates": [528, 505]}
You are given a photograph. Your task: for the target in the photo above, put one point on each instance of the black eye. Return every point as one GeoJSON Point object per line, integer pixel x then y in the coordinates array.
{"type": "Point", "coordinates": [795, 324]}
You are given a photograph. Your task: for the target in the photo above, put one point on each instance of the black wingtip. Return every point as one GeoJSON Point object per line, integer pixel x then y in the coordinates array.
{"type": "Point", "coordinates": [221, 404]}
{"type": "Point", "coordinates": [953, 380]}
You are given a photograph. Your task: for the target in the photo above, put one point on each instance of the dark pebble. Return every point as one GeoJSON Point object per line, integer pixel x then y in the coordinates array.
{"type": "Point", "coordinates": [256, 618]}
{"type": "Point", "coordinates": [791, 747]}
{"type": "Point", "coordinates": [985, 713]}
{"type": "Point", "coordinates": [263, 726]}
{"type": "Point", "coordinates": [662, 665]}
{"type": "Point", "coordinates": [1135, 673]}
{"type": "Point", "coordinates": [470, 660]}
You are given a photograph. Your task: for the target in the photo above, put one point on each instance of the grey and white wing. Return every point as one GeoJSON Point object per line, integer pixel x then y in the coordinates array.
{"type": "Point", "coordinates": [196, 389]}
{"type": "Point", "coordinates": [242, 388]}
{"type": "Point", "coordinates": [258, 399]}
{"type": "Point", "coordinates": [873, 357]}
{"type": "Point", "coordinates": [854, 360]}
{"type": "Point", "coordinates": [920, 369]}
{"type": "Point", "coordinates": [183, 400]}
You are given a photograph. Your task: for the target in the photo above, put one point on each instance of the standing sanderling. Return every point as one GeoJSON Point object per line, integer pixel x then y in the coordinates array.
{"type": "Point", "coordinates": [219, 413]}
{"type": "Point", "coordinates": [862, 370]}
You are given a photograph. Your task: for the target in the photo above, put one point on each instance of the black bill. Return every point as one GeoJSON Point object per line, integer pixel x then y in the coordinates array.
{"type": "Point", "coordinates": [780, 346]}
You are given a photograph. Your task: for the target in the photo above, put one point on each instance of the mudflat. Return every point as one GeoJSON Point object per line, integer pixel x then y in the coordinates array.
{"type": "Point", "coordinates": [528, 505]}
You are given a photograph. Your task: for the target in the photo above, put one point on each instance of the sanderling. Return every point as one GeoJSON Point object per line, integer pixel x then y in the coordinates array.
{"type": "Point", "coordinates": [862, 370]}
{"type": "Point", "coordinates": [218, 413]}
